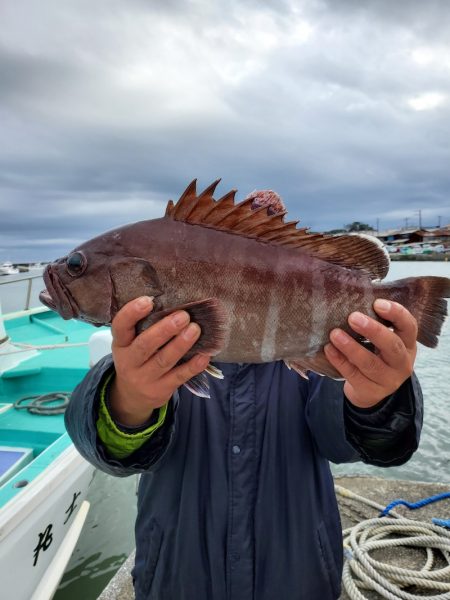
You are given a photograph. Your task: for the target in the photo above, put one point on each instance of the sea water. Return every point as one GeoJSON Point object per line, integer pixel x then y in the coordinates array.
{"type": "Point", "coordinates": [108, 536]}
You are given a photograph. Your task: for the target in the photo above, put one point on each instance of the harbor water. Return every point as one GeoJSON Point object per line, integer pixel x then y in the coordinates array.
{"type": "Point", "coordinates": [108, 536]}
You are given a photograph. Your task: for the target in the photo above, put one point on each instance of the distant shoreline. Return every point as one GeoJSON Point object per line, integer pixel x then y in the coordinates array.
{"type": "Point", "coordinates": [436, 256]}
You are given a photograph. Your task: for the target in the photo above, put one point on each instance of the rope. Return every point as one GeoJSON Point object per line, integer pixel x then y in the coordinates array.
{"type": "Point", "coordinates": [346, 493]}
{"type": "Point", "coordinates": [37, 404]}
{"type": "Point", "coordinates": [28, 347]}
{"type": "Point", "coordinates": [414, 505]}
{"type": "Point", "coordinates": [363, 572]}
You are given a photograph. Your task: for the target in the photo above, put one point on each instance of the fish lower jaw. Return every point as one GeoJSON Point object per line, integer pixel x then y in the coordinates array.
{"type": "Point", "coordinates": [47, 300]}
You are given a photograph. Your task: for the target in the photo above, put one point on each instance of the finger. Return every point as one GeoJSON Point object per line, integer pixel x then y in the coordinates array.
{"type": "Point", "coordinates": [164, 360]}
{"type": "Point", "coordinates": [351, 373]}
{"type": "Point", "coordinates": [362, 362]}
{"type": "Point", "coordinates": [124, 323]}
{"type": "Point", "coordinates": [176, 377]}
{"type": "Point", "coordinates": [152, 339]}
{"type": "Point", "coordinates": [405, 325]}
{"type": "Point", "coordinates": [390, 345]}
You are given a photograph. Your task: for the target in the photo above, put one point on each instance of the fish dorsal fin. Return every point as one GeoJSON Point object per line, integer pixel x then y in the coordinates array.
{"type": "Point", "coordinates": [351, 251]}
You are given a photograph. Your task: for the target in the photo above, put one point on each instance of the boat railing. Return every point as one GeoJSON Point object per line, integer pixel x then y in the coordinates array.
{"type": "Point", "coordinates": [28, 278]}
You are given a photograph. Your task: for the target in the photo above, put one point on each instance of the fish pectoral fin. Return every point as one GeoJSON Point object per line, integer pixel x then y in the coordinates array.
{"type": "Point", "coordinates": [212, 318]}
{"type": "Point", "coordinates": [317, 363]}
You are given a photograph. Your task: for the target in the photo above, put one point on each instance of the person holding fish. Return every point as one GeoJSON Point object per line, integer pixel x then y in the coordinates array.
{"type": "Point", "coordinates": [312, 361]}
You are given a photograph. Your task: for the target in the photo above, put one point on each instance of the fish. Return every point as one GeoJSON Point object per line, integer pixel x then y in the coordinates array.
{"type": "Point", "coordinates": [261, 288]}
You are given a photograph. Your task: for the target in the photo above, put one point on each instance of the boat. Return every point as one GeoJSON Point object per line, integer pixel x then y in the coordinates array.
{"type": "Point", "coordinates": [36, 266]}
{"type": "Point", "coordinates": [7, 268]}
{"type": "Point", "coordinates": [43, 479]}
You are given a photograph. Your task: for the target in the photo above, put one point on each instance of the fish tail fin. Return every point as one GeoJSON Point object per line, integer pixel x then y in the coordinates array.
{"type": "Point", "coordinates": [424, 297]}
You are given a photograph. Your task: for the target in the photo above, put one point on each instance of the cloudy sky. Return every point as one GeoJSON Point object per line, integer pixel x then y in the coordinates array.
{"type": "Point", "coordinates": [109, 108]}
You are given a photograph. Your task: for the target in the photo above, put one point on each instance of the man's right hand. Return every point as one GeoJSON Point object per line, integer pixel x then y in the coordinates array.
{"type": "Point", "coordinates": [146, 371]}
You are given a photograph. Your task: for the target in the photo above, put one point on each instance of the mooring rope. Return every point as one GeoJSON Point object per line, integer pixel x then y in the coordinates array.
{"type": "Point", "coordinates": [37, 404]}
{"type": "Point", "coordinates": [28, 347]}
{"type": "Point", "coordinates": [414, 505]}
{"type": "Point", "coordinates": [363, 572]}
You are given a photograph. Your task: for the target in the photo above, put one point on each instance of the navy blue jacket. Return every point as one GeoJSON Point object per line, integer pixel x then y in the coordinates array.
{"type": "Point", "coordinates": [236, 499]}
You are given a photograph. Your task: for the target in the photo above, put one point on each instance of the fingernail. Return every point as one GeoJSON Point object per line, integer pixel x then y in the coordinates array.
{"type": "Point", "coordinates": [191, 331]}
{"type": "Point", "coordinates": [180, 318]}
{"type": "Point", "coordinates": [339, 336]}
{"type": "Point", "coordinates": [358, 319]}
{"type": "Point", "coordinates": [383, 305]}
{"type": "Point", "coordinates": [144, 302]}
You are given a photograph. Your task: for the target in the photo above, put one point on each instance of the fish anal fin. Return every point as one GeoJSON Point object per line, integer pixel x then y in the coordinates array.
{"type": "Point", "coordinates": [317, 363]}
{"type": "Point", "coordinates": [351, 251]}
{"type": "Point", "coordinates": [295, 366]}
{"type": "Point", "coordinates": [209, 314]}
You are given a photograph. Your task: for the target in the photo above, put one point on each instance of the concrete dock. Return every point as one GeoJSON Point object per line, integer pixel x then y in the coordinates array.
{"type": "Point", "coordinates": [353, 511]}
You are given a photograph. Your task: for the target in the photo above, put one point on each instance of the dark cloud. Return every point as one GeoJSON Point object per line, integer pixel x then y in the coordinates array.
{"type": "Point", "coordinates": [108, 109]}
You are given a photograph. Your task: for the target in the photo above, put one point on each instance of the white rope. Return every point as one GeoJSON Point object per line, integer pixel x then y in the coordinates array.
{"type": "Point", "coordinates": [363, 572]}
{"type": "Point", "coordinates": [28, 347]}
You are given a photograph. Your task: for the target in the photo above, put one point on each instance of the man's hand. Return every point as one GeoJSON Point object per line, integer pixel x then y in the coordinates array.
{"type": "Point", "coordinates": [371, 377]}
{"type": "Point", "coordinates": [146, 375]}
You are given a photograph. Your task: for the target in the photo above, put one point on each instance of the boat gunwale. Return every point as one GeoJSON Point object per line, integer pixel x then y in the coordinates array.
{"type": "Point", "coordinates": [21, 505]}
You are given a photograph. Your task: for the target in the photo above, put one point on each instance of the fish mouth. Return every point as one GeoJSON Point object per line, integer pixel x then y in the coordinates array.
{"type": "Point", "coordinates": [56, 296]}
{"type": "Point", "coordinates": [47, 300]}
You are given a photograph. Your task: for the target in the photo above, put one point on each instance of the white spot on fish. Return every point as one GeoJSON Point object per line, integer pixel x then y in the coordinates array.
{"type": "Point", "coordinates": [318, 316]}
{"type": "Point", "coordinates": [268, 350]}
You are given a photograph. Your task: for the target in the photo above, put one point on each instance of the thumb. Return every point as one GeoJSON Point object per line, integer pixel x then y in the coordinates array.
{"type": "Point", "coordinates": [124, 323]}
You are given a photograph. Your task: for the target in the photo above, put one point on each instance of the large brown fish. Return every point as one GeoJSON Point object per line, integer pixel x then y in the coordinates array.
{"type": "Point", "coordinates": [260, 288]}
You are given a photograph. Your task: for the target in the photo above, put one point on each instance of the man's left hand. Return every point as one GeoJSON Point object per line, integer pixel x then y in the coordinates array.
{"type": "Point", "coordinates": [371, 377]}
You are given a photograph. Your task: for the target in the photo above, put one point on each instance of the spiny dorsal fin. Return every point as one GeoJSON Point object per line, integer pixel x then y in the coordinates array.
{"type": "Point", "coordinates": [350, 251]}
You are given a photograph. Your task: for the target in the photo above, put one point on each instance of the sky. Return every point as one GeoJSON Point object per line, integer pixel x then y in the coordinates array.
{"type": "Point", "coordinates": [110, 108]}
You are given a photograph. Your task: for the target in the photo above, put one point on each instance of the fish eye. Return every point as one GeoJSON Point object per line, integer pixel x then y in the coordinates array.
{"type": "Point", "coordinates": [76, 263]}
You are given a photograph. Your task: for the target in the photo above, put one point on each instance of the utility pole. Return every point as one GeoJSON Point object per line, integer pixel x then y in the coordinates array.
{"type": "Point", "coordinates": [439, 221]}
{"type": "Point", "coordinates": [419, 212]}
{"type": "Point", "coordinates": [378, 225]}
{"type": "Point", "coordinates": [406, 222]}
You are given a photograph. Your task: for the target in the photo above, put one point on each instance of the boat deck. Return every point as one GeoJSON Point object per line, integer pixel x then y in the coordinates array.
{"type": "Point", "coordinates": [49, 370]}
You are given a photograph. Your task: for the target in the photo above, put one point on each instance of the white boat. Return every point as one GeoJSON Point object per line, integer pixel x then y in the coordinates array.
{"type": "Point", "coordinates": [7, 268]}
{"type": "Point", "coordinates": [36, 266]}
{"type": "Point", "coordinates": [43, 479]}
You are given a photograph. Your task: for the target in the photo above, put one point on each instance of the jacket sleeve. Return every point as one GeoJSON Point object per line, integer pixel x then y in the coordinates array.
{"type": "Point", "coordinates": [388, 435]}
{"type": "Point", "coordinates": [81, 423]}
{"type": "Point", "coordinates": [385, 435]}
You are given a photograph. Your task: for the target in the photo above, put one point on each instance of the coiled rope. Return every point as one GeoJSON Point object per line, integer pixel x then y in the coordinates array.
{"type": "Point", "coordinates": [38, 404]}
{"type": "Point", "coordinates": [363, 572]}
